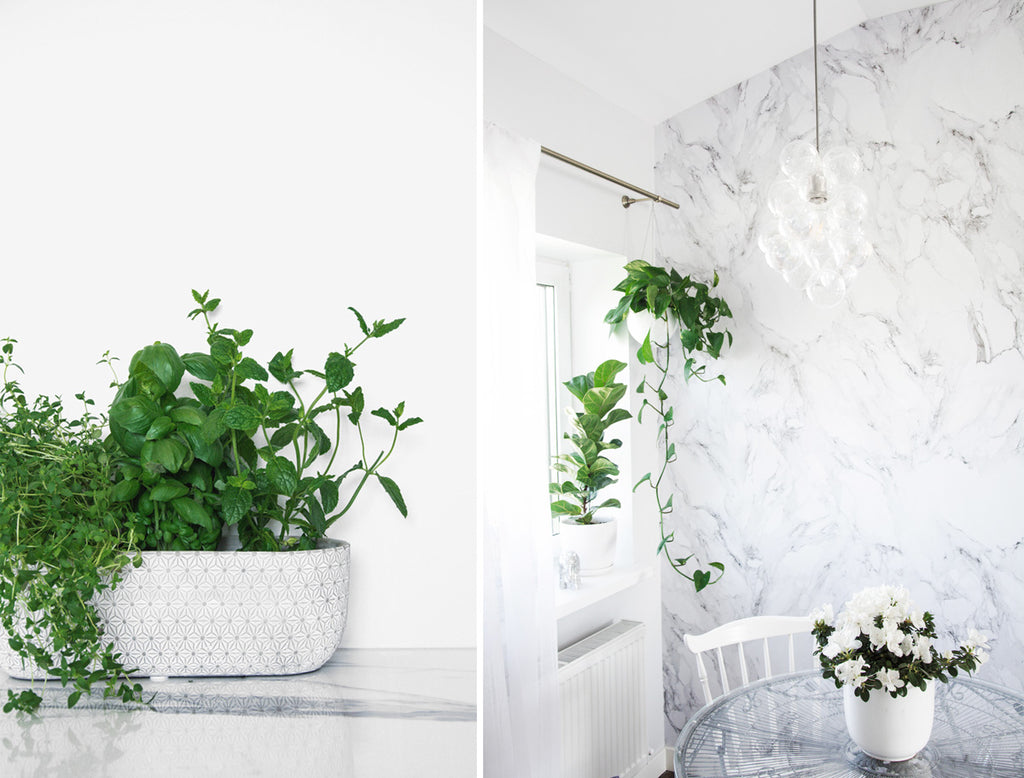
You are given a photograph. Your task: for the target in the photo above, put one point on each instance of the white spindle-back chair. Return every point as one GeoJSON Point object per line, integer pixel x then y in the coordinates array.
{"type": "Point", "coordinates": [736, 633]}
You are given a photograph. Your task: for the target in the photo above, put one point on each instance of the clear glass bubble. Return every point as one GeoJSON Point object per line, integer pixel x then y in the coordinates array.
{"type": "Point", "coordinates": [826, 289]}
{"type": "Point", "coordinates": [799, 160]}
{"type": "Point", "coordinates": [847, 206]}
{"type": "Point", "coordinates": [779, 253]}
{"type": "Point", "coordinates": [821, 256]}
{"type": "Point", "coordinates": [805, 224]}
{"type": "Point", "coordinates": [851, 249]}
{"type": "Point", "coordinates": [784, 198]}
{"type": "Point", "coordinates": [799, 276]}
{"type": "Point", "coordinates": [841, 164]}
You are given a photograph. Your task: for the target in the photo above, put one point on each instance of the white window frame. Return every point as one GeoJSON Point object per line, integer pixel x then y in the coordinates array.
{"type": "Point", "coordinates": [555, 311]}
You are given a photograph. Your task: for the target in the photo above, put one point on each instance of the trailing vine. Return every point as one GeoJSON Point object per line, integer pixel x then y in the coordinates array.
{"type": "Point", "coordinates": [664, 294]}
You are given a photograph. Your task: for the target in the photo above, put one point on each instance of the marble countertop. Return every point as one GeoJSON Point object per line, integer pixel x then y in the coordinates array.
{"type": "Point", "coordinates": [365, 713]}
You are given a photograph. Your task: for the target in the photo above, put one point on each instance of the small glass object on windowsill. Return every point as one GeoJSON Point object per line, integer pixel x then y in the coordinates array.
{"type": "Point", "coordinates": [569, 570]}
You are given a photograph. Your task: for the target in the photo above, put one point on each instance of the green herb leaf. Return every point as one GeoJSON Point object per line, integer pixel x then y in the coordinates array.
{"type": "Point", "coordinates": [192, 512]}
{"type": "Point", "coordinates": [199, 365]}
{"type": "Point", "coordinates": [281, 367]}
{"type": "Point", "coordinates": [168, 490]}
{"type": "Point", "coordinates": [362, 322]}
{"type": "Point", "coordinates": [340, 371]}
{"type": "Point", "coordinates": [382, 328]}
{"type": "Point", "coordinates": [394, 493]}
{"type": "Point", "coordinates": [329, 495]}
{"type": "Point", "coordinates": [249, 368]}
{"type": "Point", "coordinates": [282, 475]}
{"type": "Point", "coordinates": [235, 503]}
{"type": "Point", "coordinates": [242, 417]}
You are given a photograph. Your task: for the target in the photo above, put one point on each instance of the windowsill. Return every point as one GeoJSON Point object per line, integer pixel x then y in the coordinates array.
{"type": "Point", "coordinates": [594, 588]}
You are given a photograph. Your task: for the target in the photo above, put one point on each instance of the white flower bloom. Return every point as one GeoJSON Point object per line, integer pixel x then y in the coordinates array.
{"type": "Point", "coordinates": [890, 679]}
{"type": "Point", "coordinates": [841, 641]}
{"type": "Point", "coordinates": [823, 613]}
{"type": "Point", "coordinates": [917, 619]}
{"type": "Point", "coordinates": [976, 640]}
{"type": "Point", "coordinates": [851, 672]}
{"type": "Point", "coordinates": [907, 645]}
{"type": "Point", "coordinates": [923, 649]}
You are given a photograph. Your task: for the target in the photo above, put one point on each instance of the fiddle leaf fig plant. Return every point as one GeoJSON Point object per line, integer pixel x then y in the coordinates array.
{"type": "Point", "coordinates": [589, 470]}
{"type": "Point", "coordinates": [666, 295]}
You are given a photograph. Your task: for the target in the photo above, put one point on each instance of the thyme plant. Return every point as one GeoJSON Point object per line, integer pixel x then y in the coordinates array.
{"type": "Point", "coordinates": [63, 537]}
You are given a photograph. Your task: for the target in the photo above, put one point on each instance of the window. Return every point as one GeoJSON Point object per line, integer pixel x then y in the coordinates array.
{"type": "Point", "coordinates": [554, 314]}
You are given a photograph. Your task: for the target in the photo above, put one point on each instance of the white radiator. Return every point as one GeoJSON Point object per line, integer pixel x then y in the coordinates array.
{"type": "Point", "coordinates": [601, 691]}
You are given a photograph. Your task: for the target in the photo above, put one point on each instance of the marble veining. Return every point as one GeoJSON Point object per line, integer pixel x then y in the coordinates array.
{"type": "Point", "coordinates": [364, 713]}
{"type": "Point", "coordinates": [883, 440]}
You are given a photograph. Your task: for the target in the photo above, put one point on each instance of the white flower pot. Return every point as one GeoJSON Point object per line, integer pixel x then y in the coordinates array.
{"type": "Point", "coordinates": [892, 730]}
{"type": "Point", "coordinates": [217, 613]}
{"type": "Point", "coordinates": [639, 323]}
{"type": "Point", "coordinates": [593, 543]}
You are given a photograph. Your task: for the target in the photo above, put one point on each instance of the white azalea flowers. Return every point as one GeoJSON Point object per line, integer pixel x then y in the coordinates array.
{"type": "Point", "coordinates": [880, 642]}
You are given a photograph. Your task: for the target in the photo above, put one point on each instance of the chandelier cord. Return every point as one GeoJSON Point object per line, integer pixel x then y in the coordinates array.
{"type": "Point", "coordinates": [814, 16]}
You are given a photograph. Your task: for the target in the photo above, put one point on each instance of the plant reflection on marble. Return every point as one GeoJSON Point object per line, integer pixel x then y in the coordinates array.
{"type": "Point", "coordinates": [362, 714]}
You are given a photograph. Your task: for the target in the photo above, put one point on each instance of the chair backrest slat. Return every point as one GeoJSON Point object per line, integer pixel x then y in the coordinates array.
{"type": "Point", "coordinates": [743, 665]}
{"type": "Point", "coordinates": [737, 633]}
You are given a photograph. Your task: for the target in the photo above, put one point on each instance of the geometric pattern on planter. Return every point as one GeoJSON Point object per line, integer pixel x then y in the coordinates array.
{"type": "Point", "coordinates": [221, 613]}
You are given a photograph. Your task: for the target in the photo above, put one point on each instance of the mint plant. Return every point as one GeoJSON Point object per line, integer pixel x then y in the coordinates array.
{"type": "Point", "coordinates": [242, 451]}
{"type": "Point", "coordinates": [589, 469]}
{"type": "Point", "coordinates": [665, 293]}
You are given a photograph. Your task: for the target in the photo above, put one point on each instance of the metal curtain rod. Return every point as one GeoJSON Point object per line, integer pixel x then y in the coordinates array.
{"type": "Point", "coordinates": [626, 201]}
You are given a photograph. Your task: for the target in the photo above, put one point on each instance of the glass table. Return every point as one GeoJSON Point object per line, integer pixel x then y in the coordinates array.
{"type": "Point", "coordinates": [793, 725]}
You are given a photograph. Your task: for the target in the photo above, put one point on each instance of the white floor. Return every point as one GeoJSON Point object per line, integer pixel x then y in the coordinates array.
{"type": "Point", "coordinates": [366, 713]}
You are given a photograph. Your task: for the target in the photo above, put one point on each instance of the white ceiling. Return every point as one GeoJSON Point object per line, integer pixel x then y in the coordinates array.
{"type": "Point", "coordinates": [655, 58]}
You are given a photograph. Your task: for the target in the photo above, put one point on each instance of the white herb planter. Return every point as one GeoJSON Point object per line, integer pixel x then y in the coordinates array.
{"type": "Point", "coordinates": [892, 730]}
{"type": "Point", "coordinates": [213, 613]}
{"type": "Point", "coordinates": [593, 543]}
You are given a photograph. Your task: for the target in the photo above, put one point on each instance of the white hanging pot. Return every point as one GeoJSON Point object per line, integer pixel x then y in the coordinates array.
{"type": "Point", "coordinates": [594, 543]}
{"type": "Point", "coordinates": [887, 728]}
{"type": "Point", "coordinates": [639, 323]}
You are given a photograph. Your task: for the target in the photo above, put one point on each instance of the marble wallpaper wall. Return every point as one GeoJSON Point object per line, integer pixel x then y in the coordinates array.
{"type": "Point", "coordinates": [882, 440]}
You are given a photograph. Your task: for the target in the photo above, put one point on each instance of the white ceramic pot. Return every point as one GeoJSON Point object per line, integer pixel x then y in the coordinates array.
{"type": "Point", "coordinates": [892, 730]}
{"type": "Point", "coordinates": [639, 323]}
{"type": "Point", "coordinates": [216, 613]}
{"type": "Point", "coordinates": [593, 543]}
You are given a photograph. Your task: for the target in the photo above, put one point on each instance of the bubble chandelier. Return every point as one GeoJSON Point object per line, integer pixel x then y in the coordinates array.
{"type": "Point", "coordinates": [816, 237]}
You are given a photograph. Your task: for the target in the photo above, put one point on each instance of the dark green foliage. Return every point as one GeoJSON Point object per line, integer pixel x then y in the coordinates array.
{"type": "Point", "coordinates": [665, 293]}
{"type": "Point", "coordinates": [589, 470]}
{"type": "Point", "coordinates": [236, 450]}
{"type": "Point", "coordinates": [64, 535]}
{"type": "Point", "coordinates": [180, 462]}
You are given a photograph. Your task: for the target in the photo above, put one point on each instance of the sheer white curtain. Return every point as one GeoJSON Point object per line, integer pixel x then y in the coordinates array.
{"type": "Point", "coordinates": [520, 692]}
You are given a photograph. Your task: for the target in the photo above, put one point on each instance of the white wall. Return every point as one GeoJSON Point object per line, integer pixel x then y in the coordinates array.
{"type": "Point", "coordinates": [296, 157]}
{"type": "Point", "coordinates": [528, 97]}
{"type": "Point", "coordinates": [882, 440]}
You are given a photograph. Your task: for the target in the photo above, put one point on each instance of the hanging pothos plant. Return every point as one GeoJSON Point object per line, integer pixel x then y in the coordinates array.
{"type": "Point", "coordinates": [664, 294]}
